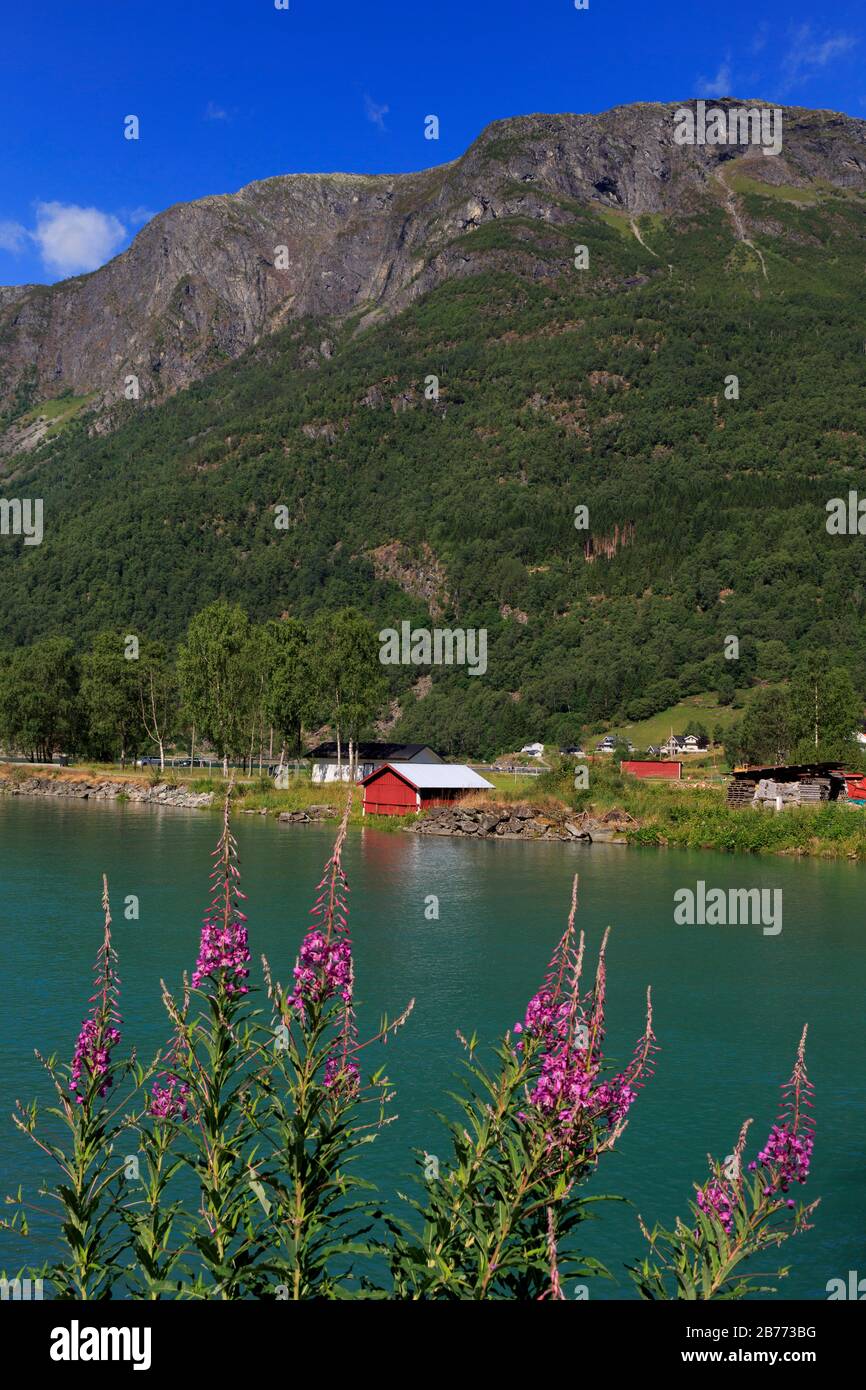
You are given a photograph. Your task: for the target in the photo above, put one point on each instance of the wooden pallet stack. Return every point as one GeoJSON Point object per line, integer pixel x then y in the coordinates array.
{"type": "Point", "coordinates": [741, 791]}
{"type": "Point", "coordinates": [814, 789]}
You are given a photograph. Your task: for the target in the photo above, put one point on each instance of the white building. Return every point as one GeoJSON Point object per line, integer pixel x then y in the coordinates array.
{"type": "Point", "coordinates": [368, 756]}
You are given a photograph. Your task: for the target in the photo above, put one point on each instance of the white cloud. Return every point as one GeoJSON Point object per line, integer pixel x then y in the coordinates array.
{"type": "Point", "coordinates": [136, 216]}
{"type": "Point", "coordinates": [73, 239]}
{"type": "Point", "coordinates": [13, 237]}
{"type": "Point", "coordinates": [808, 53]}
{"type": "Point", "coordinates": [212, 112]}
{"type": "Point", "coordinates": [759, 42]}
{"type": "Point", "coordinates": [375, 112]}
{"type": "Point", "coordinates": [721, 85]}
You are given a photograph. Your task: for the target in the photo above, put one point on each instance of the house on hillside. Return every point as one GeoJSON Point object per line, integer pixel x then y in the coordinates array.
{"type": "Point", "coordinates": [533, 750]}
{"type": "Point", "coordinates": [609, 743]}
{"type": "Point", "coordinates": [679, 744]}
{"type": "Point", "coordinates": [368, 756]}
{"type": "Point", "coordinates": [401, 789]}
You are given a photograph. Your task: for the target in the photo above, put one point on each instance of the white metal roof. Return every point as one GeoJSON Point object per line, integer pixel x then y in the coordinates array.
{"type": "Point", "coordinates": [434, 775]}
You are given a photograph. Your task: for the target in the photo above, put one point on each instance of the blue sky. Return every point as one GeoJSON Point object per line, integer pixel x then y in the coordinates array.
{"type": "Point", "coordinates": [227, 91]}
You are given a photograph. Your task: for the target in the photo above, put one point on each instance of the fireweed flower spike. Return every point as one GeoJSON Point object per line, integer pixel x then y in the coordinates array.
{"type": "Point", "coordinates": [543, 1008]}
{"type": "Point", "coordinates": [342, 1076]}
{"type": "Point", "coordinates": [169, 1102]}
{"type": "Point", "coordinates": [568, 1089]}
{"type": "Point", "coordinates": [324, 967]}
{"type": "Point", "coordinates": [224, 953]}
{"type": "Point", "coordinates": [100, 1032]}
{"type": "Point", "coordinates": [733, 1218]}
{"type": "Point", "coordinates": [787, 1153]}
{"type": "Point", "coordinates": [170, 1094]}
{"type": "Point", "coordinates": [718, 1197]}
{"type": "Point", "coordinates": [786, 1156]}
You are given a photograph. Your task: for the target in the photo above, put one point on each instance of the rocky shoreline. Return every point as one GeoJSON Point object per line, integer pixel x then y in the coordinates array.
{"type": "Point", "coordinates": [162, 794]}
{"type": "Point", "coordinates": [525, 822]}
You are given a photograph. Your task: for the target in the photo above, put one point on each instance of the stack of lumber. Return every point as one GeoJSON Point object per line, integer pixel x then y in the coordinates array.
{"type": "Point", "coordinates": [741, 792]}
{"type": "Point", "coordinates": [814, 789]}
{"type": "Point", "coordinates": [810, 791]}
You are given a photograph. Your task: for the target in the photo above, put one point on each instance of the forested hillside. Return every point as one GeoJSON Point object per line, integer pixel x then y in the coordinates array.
{"type": "Point", "coordinates": [558, 388]}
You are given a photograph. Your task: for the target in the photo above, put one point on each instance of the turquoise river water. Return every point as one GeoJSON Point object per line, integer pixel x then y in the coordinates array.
{"type": "Point", "coordinates": [730, 1001]}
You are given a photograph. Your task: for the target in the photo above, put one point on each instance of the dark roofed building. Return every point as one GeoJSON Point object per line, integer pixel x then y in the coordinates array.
{"type": "Point", "coordinates": [368, 757]}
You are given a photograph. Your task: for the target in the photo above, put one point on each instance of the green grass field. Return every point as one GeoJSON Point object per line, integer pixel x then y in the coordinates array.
{"type": "Point", "coordinates": [702, 709]}
{"type": "Point", "coordinates": [60, 412]}
{"type": "Point", "coordinates": [783, 192]}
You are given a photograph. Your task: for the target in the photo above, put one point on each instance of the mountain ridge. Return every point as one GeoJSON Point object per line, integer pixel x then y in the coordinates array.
{"type": "Point", "coordinates": [198, 285]}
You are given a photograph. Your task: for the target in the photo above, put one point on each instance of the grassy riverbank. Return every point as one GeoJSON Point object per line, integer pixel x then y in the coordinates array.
{"type": "Point", "coordinates": [693, 814]}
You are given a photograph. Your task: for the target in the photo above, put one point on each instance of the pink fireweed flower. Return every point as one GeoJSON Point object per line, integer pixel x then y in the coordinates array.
{"type": "Point", "coordinates": [224, 951]}
{"type": "Point", "coordinates": [613, 1099]}
{"type": "Point", "coordinates": [551, 1004]}
{"type": "Point", "coordinates": [787, 1153]}
{"type": "Point", "coordinates": [166, 1103]}
{"type": "Point", "coordinates": [325, 971]}
{"type": "Point", "coordinates": [341, 1076]}
{"type": "Point", "coordinates": [324, 967]}
{"type": "Point", "coordinates": [91, 1060]}
{"type": "Point", "coordinates": [714, 1199]}
{"type": "Point", "coordinates": [568, 1090]}
{"type": "Point", "coordinates": [92, 1057]}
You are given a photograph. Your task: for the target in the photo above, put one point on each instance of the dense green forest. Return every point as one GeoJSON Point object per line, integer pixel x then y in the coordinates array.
{"type": "Point", "coordinates": [246, 690]}
{"type": "Point", "coordinates": [603, 388]}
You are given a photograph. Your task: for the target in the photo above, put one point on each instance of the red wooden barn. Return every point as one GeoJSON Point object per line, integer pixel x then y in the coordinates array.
{"type": "Point", "coordinates": [398, 789]}
{"type": "Point", "coordinates": [638, 768]}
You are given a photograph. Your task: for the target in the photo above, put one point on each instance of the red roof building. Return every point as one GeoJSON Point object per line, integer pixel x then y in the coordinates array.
{"type": "Point", "coordinates": [639, 768]}
{"type": "Point", "coordinates": [403, 789]}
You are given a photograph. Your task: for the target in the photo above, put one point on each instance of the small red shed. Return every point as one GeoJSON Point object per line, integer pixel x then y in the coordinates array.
{"type": "Point", "coordinates": [399, 789]}
{"type": "Point", "coordinates": [638, 768]}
